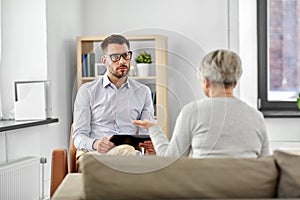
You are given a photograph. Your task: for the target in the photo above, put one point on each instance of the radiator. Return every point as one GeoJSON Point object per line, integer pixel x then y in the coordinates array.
{"type": "Point", "coordinates": [20, 179]}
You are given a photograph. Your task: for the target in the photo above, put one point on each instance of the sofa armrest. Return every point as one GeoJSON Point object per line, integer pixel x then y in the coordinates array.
{"type": "Point", "coordinates": [59, 168]}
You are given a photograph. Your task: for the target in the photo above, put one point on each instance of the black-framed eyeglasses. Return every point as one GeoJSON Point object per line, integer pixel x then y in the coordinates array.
{"type": "Point", "coordinates": [116, 57]}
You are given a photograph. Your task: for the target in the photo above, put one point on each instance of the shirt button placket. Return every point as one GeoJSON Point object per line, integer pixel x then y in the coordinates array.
{"type": "Point", "coordinates": [116, 113]}
{"type": "Point", "coordinates": [114, 110]}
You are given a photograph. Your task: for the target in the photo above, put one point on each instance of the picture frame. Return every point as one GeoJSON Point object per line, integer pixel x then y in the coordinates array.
{"type": "Point", "coordinates": [100, 69]}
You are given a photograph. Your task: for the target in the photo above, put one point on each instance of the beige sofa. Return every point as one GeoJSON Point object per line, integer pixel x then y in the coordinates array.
{"type": "Point", "coordinates": [151, 177]}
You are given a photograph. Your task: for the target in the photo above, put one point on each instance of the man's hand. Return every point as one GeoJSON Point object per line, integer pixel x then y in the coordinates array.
{"type": "Point", "coordinates": [103, 145]}
{"type": "Point", "coordinates": [143, 124]}
{"type": "Point", "coordinates": [148, 146]}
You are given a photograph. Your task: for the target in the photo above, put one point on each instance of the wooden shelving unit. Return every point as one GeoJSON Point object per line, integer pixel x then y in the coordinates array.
{"type": "Point", "coordinates": [86, 44]}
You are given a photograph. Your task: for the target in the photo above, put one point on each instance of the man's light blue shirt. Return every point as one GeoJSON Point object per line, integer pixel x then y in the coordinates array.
{"type": "Point", "coordinates": [101, 109]}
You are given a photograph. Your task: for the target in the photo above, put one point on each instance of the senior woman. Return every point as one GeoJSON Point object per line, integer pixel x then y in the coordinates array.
{"type": "Point", "coordinates": [218, 126]}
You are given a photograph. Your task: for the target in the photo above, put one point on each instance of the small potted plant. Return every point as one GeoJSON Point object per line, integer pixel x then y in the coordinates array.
{"type": "Point", "coordinates": [143, 57]}
{"type": "Point", "coordinates": [143, 63]}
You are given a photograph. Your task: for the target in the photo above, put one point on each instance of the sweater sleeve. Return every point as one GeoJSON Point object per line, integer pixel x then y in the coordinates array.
{"type": "Point", "coordinates": [180, 142]}
{"type": "Point", "coordinates": [265, 151]}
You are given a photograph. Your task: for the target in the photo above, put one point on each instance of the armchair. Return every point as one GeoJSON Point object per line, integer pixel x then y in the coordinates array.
{"type": "Point", "coordinates": [59, 166]}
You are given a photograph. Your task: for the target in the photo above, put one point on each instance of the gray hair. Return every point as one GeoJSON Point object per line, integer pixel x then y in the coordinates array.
{"type": "Point", "coordinates": [221, 67]}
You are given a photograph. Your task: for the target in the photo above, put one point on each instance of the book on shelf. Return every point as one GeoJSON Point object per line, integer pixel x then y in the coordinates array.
{"type": "Point", "coordinates": [83, 64]}
{"type": "Point", "coordinates": [88, 65]}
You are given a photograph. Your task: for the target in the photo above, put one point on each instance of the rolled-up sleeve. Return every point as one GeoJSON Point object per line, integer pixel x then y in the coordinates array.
{"type": "Point", "coordinates": [82, 118]}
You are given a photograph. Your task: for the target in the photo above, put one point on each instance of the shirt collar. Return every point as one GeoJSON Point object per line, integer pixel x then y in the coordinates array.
{"type": "Point", "coordinates": [106, 82]}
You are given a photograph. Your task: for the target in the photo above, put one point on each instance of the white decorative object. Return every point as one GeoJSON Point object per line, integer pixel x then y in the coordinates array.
{"type": "Point", "coordinates": [32, 100]}
{"type": "Point", "coordinates": [143, 69]}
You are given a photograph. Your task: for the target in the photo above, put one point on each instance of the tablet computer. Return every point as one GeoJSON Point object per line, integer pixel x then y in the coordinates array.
{"type": "Point", "coordinates": [132, 140]}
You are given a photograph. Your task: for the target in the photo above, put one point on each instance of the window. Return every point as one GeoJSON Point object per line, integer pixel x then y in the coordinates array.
{"type": "Point", "coordinates": [278, 24]}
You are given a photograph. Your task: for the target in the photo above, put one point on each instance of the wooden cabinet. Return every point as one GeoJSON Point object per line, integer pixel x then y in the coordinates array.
{"type": "Point", "coordinates": [157, 81]}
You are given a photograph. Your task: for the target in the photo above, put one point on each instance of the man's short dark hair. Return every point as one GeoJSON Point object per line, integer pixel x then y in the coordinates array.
{"type": "Point", "coordinates": [114, 39]}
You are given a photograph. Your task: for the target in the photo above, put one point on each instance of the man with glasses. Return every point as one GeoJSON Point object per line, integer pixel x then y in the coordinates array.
{"type": "Point", "coordinates": [108, 105]}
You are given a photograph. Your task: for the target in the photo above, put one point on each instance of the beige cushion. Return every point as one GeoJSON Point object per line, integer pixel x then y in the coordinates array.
{"type": "Point", "coordinates": [151, 177]}
{"type": "Point", "coordinates": [70, 188]}
{"type": "Point", "coordinates": [289, 168]}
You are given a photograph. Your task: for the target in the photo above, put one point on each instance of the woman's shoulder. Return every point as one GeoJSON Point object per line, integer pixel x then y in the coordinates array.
{"type": "Point", "coordinates": [249, 109]}
{"type": "Point", "coordinates": [195, 105]}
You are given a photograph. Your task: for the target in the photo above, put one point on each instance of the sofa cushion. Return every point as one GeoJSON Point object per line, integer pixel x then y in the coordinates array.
{"type": "Point", "coordinates": [289, 169]}
{"type": "Point", "coordinates": [70, 189]}
{"type": "Point", "coordinates": [151, 177]}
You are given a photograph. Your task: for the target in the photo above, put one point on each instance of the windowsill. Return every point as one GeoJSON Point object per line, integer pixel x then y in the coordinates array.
{"type": "Point", "coordinates": [281, 114]}
{"type": "Point", "coordinates": [7, 125]}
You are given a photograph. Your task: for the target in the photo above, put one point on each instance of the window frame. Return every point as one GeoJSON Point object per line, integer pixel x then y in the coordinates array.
{"type": "Point", "coordinates": [268, 108]}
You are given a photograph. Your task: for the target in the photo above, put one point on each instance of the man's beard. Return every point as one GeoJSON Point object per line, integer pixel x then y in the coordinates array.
{"type": "Point", "coordinates": [121, 74]}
